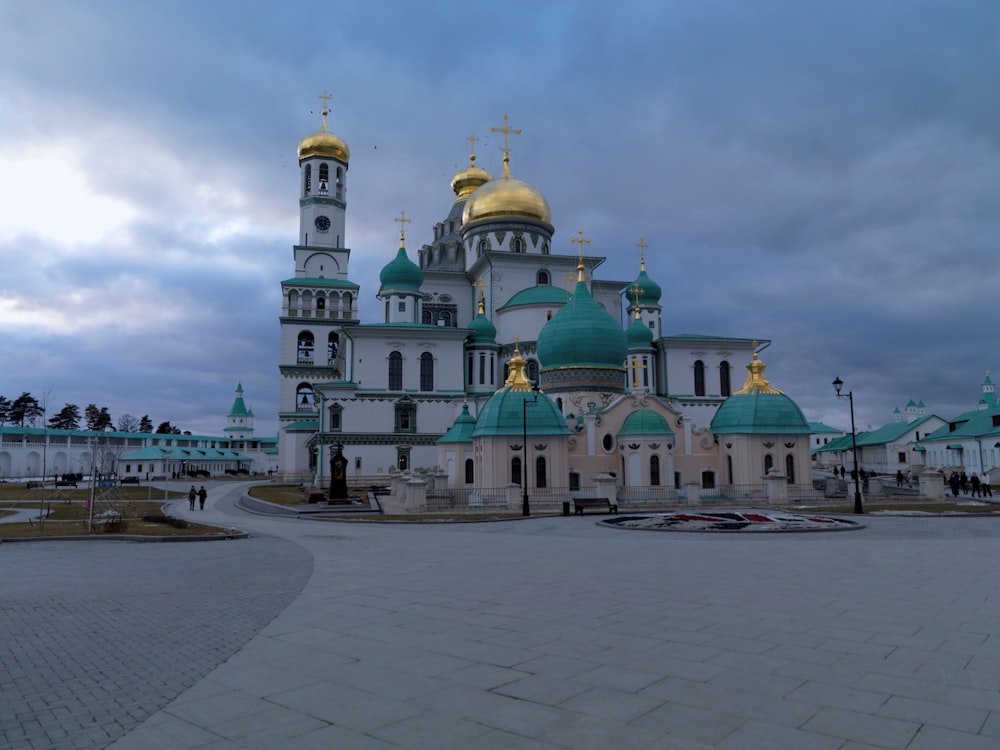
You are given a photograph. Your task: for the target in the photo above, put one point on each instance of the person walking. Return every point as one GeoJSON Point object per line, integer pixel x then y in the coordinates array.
{"type": "Point", "coordinates": [909, 478]}
{"type": "Point", "coordinates": [191, 496]}
{"type": "Point", "coordinates": [899, 477]}
{"type": "Point", "coordinates": [202, 494]}
{"type": "Point", "coordinates": [963, 482]}
{"type": "Point", "coordinates": [954, 482]}
{"type": "Point", "coordinates": [974, 481]}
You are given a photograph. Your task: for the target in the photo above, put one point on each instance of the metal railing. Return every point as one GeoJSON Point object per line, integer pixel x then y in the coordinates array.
{"type": "Point", "coordinates": [456, 499]}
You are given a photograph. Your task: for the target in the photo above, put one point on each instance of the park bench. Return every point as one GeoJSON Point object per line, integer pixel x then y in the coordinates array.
{"type": "Point", "coordinates": [130, 480]}
{"type": "Point", "coordinates": [65, 483]}
{"type": "Point", "coordinates": [581, 503]}
{"type": "Point", "coordinates": [36, 485]}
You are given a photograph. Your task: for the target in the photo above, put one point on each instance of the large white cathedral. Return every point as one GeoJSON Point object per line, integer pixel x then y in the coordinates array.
{"type": "Point", "coordinates": [498, 357]}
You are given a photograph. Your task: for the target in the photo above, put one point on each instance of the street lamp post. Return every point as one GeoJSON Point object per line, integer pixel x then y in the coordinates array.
{"type": "Point", "coordinates": [525, 507]}
{"type": "Point", "coordinates": [319, 457]}
{"type": "Point", "coordinates": [838, 384]}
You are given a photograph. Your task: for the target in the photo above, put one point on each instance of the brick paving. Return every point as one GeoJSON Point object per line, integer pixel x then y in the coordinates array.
{"type": "Point", "coordinates": [555, 633]}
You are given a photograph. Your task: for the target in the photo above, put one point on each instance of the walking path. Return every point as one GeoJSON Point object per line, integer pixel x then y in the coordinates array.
{"type": "Point", "coordinates": [541, 633]}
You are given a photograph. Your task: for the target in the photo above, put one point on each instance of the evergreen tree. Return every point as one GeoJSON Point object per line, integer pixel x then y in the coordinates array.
{"type": "Point", "coordinates": [97, 420]}
{"type": "Point", "coordinates": [4, 410]}
{"type": "Point", "coordinates": [166, 428]}
{"type": "Point", "coordinates": [68, 418]}
{"type": "Point", "coordinates": [24, 408]}
{"type": "Point", "coordinates": [145, 425]}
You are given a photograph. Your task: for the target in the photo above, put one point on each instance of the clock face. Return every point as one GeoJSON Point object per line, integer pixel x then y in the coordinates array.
{"type": "Point", "coordinates": [322, 223]}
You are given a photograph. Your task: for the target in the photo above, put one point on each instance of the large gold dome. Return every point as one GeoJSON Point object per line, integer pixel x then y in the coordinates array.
{"type": "Point", "coordinates": [506, 197]}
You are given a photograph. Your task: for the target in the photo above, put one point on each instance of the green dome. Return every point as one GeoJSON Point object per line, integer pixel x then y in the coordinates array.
{"type": "Point", "coordinates": [483, 331]}
{"type": "Point", "coordinates": [538, 295]}
{"type": "Point", "coordinates": [505, 412]}
{"type": "Point", "coordinates": [638, 335]}
{"type": "Point", "coordinates": [645, 422]}
{"type": "Point", "coordinates": [649, 290]}
{"type": "Point", "coordinates": [401, 274]}
{"type": "Point", "coordinates": [757, 408]}
{"type": "Point", "coordinates": [582, 334]}
{"type": "Point", "coordinates": [461, 431]}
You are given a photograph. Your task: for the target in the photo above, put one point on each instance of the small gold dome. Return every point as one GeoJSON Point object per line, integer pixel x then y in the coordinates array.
{"type": "Point", "coordinates": [467, 180]}
{"type": "Point", "coordinates": [324, 143]}
{"type": "Point", "coordinates": [506, 197]}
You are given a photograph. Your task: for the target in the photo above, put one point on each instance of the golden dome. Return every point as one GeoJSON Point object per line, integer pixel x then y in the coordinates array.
{"type": "Point", "coordinates": [506, 197]}
{"type": "Point", "coordinates": [467, 180]}
{"type": "Point", "coordinates": [324, 143]}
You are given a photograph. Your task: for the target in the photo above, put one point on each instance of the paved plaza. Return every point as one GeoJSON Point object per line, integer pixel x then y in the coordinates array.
{"type": "Point", "coordinates": [542, 633]}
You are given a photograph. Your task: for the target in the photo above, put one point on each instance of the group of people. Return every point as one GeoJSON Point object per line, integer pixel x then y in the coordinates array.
{"type": "Point", "coordinates": [900, 478]}
{"type": "Point", "coordinates": [199, 494]}
{"type": "Point", "coordinates": [959, 482]}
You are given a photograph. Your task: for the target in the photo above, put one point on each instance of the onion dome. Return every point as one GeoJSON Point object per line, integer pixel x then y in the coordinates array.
{"type": "Point", "coordinates": [645, 422]}
{"type": "Point", "coordinates": [638, 335]}
{"type": "Point", "coordinates": [644, 291]}
{"type": "Point", "coordinates": [324, 143]}
{"type": "Point", "coordinates": [461, 430]}
{"type": "Point", "coordinates": [465, 181]}
{"type": "Point", "coordinates": [514, 410]}
{"type": "Point", "coordinates": [401, 273]}
{"type": "Point", "coordinates": [483, 331]}
{"type": "Point", "coordinates": [506, 197]}
{"type": "Point", "coordinates": [758, 408]}
{"type": "Point", "coordinates": [543, 294]}
{"type": "Point", "coordinates": [582, 334]}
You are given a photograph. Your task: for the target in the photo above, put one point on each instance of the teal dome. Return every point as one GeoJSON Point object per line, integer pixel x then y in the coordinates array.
{"type": "Point", "coordinates": [582, 334]}
{"type": "Point", "coordinates": [483, 331]}
{"type": "Point", "coordinates": [649, 291]}
{"type": "Point", "coordinates": [645, 422]}
{"type": "Point", "coordinates": [638, 335]}
{"type": "Point", "coordinates": [757, 408]}
{"type": "Point", "coordinates": [401, 274]}
{"type": "Point", "coordinates": [461, 431]}
{"type": "Point", "coordinates": [505, 412]}
{"type": "Point", "coordinates": [537, 295]}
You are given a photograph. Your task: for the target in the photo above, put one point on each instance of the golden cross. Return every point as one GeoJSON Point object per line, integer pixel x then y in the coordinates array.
{"type": "Point", "coordinates": [642, 245]}
{"type": "Point", "coordinates": [325, 98]}
{"type": "Point", "coordinates": [635, 290]}
{"type": "Point", "coordinates": [580, 242]}
{"type": "Point", "coordinates": [506, 131]}
{"type": "Point", "coordinates": [481, 285]}
{"type": "Point", "coordinates": [472, 144]}
{"type": "Point", "coordinates": [568, 278]}
{"type": "Point", "coordinates": [635, 367]}
{"type": "Point", "coordinates": [403, 221]}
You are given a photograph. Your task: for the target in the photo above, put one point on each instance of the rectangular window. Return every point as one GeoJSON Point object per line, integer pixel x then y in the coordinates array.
{"type": "Point", "coordinates": [402, 306]}
{"type": "Point", "coordinates": [902, 458]}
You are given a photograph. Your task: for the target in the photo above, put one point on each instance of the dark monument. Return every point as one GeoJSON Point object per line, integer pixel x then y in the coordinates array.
{"type": "Point", "coordinates": [338, 474]}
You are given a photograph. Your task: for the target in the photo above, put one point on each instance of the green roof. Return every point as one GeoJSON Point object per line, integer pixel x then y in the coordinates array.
{"type": "Point", "coordinates": [159, 452]}
{"type": "Point", "coordinates": [639, 335]}
{"type": "Point", "coordinates": [537, 295]}
{"type": "Point", "coordinates": [818, 428]}
{"type": "Point", "coordinates": [505, 413]}
{"type": "Point", "coordinates": [891, 432]}
{"type": "Point", "coordinates": [483, 331]}
{"type": "Point", "coordinates": [582, 334]}
{"type": "Point", "coordinates": [401, 274]}
{"type": "Point", "coordinates": [645, 422]}
{"type": "Point", "coordinates": [649, 290]}
{"type": "Point", "coordinates": [970, 425]}
{"type": "Point", "coordinates": [461, 431]}
{"type": "Point", "coordinates": [759, 413]}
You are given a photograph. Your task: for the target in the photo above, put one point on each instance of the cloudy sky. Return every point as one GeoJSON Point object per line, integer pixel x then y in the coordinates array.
{"type": "Point", "coordinates": [822, 174]}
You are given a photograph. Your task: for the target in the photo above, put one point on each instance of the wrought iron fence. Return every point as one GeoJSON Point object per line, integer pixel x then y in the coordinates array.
{"type": "Point", "coordinates": [472, 499]}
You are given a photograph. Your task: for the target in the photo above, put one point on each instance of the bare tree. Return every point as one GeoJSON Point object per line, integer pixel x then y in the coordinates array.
{"type": "Point", "coordinates": [127, 423]}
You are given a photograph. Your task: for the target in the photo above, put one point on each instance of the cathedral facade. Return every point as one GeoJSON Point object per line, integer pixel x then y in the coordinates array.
{"type": "Point", "coordinates": [487, 332]}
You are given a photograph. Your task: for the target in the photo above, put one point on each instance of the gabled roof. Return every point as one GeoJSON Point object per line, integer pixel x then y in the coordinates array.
{"type": "Point", "coordinates": [970, 425]}
{"type": "Point", "coordinates": [891, 432]}
{"type": "Point", "coordinates": [819, 428]}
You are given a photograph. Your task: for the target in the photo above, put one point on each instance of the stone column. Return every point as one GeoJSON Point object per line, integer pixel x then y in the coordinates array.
{"type": "Point", "coordinates": [606, 486]}
{"type": "Point", "coordinates": [931, 484]}
{"type": "Point", "coordinates": [416, 496]}
{"type": "Point", "coordinates": [776, 487]}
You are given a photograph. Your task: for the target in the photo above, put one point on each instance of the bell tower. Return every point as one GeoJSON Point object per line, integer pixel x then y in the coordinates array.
{"type": "Point", "coordinates": [323, 162]}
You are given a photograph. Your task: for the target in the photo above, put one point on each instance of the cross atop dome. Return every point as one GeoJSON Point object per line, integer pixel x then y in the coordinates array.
{"type": "Point", "coordinates": [506, 130]}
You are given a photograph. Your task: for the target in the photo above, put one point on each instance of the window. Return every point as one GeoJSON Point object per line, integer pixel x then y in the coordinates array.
{"type": "Point", "coordinates": [901, 457]}
{"type": "Point", "coordinates": [427, 371]}
{"type": "Point", "coordinates": [518, 245]}
{"type": "Point", "coordinates": [309, 177]}
{"type": "Point", "coordinates": [729, 468]}
{"type": "Point", "coordinates": [484, 246]}
{"type": "Point", "coordinates": [403, 459]}
{"type": "Point", "coordinates": [324, 178]}
{"type": "Point", "coordinates": [768, 463]}
{"type": "Point", "coordinates": [543, 278]}
{"type": "Point", "coordinates": [335, 417]}
{"type": "Point", "coordinates": [402, 305]}
{"type": "Point", "coordinates": [304, 397]}
{"type": "Point", "coordinates": [425, 317]}
{"type": "Point", "coordinates": [515, 470]}
{"type": "Point", "coordinates": [724, 388]}
{"type": "Point", "coordinates": [470, 469]}
{"type": "Point", "coordinates": [340, 182]}
{"type": "Point", "coordinates": [608, 442]}
{"type": "Point", "coordinates": [321, 300]}
{"type": "Point", "coordinates": [574, 481]}
{"type": "Point", "coordinates": [699, 378]}
{"type": "Point", "coordinates": [708, 480]}
{"type": "Point", "coordinates": [532, 371]}
{"type": "Point", "coordinates": [482, 369]}
{"type": "Point", "coordinates": [540, 472]}
{"type": "Point", "coordinates": [790, 468]}
{"type": "Point", "coordinates": [332, 344]}
{"type": "Point", "coordinates": [654, 471]}
{"type": "Point", "coordinates": [406, 415]}
{"type": "Point", "coordinates": [305, 348]}
{"type": "Point", "coordinates": [444, 319]}
{"type": "Point", "coordinates": [470, 368]}
{"type": "Point", "coordinates": [395, 371]}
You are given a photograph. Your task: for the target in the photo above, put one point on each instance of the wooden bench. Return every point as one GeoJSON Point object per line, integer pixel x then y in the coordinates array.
{"type": "Point", "coordinates": [580, 503]}
{"type": "Point", "coordinates": [130, 480]}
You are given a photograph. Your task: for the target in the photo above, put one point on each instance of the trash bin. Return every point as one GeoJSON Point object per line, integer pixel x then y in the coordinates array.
{"type": "Point", "coordinates": [565, 507]}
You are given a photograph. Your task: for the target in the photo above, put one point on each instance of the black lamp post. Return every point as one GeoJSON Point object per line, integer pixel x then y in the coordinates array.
{"type": "Point", "coordinates": [838, 384]}
{"type": "Point", "coordinates": [525, 507]}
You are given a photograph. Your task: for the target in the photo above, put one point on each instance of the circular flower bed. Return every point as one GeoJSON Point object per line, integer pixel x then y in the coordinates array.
{"type": "Point", "coordinates": [733, 520]}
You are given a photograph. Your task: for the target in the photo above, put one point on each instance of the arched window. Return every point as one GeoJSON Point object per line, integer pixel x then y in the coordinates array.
{"type": "Point", "coordinates": [542, 279]}
{"type": "Point", "coordinates": [425, 317]}
{"type": "Point", "coordinates": [427, 371]}
{"type": "Point", "coordinates": [532, 371]}
{"type": "Point", "coordinates": [724, 388]}
{"type": "Point", "coordinates": [335, 421]}
{"type": "Point", "coordinates": [517, 245]}
{"type": "Point", "coordinates": [482, 369]}
{"type": "Point", "coordinates": [324, 179]}
{"type": "Point", "coordinates": [332, 345]}
{"type": "Point", "coordinates": [395, 371]}
{"type": "Point", "coordinates": [470, 471]}
{"type": "Point", "coordinates": [484, 245]}
{"type": "Point", "coordinates": [654, 470]}
{"type": "Point", "coordinates": [729, 468]}
{"type": "Point", "coordinates": [305, 348]}
{"type": "Point", "coordinates": [699, 378]}
{"type": "Point", "coordinates": [340, 182]}
{"type": "Point", "coordinates": [444, 319]}
{"type": "Point", "coordinates": [304, 397]}
{"type": "Point", "coordinates": [768, 463]}
{"type": "Point", "coordinates": [309, 177]}
{"type": "Point", "coordinates": [402, 460]}
{"type": "Point", "coordinates": [540, 472]}
{"type": "Point", "coordinates": [515, 470]}
{"type": "Point", "coordinates": [790, 468]}
{"type": "Point", "coordinates": [470, 364]}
